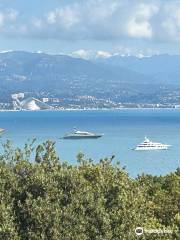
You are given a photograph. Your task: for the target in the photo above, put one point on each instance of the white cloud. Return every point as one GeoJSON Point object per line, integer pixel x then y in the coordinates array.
{"type": "Point", "coordinates": [100, 20]}
{"type": "Point", "coordinates": [12, 15]}
{"type": "Point", "coordinates": [81, 53]}
{"type": "Point", "coordinates": [90, 54]}
{"type": "Point", "coordinates": [122, 51]}
{"type": "Point", "coordinates": [7, 17]}
{"type": "Point", "coordinates": [171, 24]}
{"type": "Point", "coordinates": [135, 51]}
{"type": "Point", "coordinates": [1, 19]}
{"type": "Point", "coordinates": [105, 20]}
{"type": "Point", "coordinates": [65, 17]}
{"type": "Point", "coordinates": [139, 25]}
{"type": "Point", "coordinates": [139, 30]}
{"type": "Point", "coordinates": [37, 23]}
{"type": "Point", "coordinates": [6, 51]}
{"type": "Point", "coordinates": [103, 54]}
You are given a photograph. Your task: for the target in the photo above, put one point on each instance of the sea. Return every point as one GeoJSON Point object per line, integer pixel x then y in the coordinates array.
{"type": "Point", "coordinates": [123, 130]}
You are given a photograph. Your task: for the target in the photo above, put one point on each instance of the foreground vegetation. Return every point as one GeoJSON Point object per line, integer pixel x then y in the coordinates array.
{"type": "Point", "coordinates": [50, 199]}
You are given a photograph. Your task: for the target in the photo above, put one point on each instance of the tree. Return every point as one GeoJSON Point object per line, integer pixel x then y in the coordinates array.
{"type": "Point", "coordinates": [49, 199]}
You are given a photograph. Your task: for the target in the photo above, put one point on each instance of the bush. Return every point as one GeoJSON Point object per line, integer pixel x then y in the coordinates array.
{"type": "Point", "coordinates": [50, 199]}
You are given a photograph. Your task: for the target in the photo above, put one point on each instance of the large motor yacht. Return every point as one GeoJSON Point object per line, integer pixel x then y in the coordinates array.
{"type": "Point", "coordinates": [81, 134]}
{"type": "Point", "coordinates": [149, 145]}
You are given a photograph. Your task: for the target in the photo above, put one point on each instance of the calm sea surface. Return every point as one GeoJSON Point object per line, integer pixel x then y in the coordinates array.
{"type": "Point", "coordinates": [123, 130]}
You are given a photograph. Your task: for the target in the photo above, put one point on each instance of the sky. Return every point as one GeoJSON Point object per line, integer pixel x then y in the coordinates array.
{"type": "Point", "coordinates": [87, 28]}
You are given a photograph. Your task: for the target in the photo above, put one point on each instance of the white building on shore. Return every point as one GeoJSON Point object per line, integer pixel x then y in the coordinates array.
{"type": "Point", "coordinates": [30, 103]}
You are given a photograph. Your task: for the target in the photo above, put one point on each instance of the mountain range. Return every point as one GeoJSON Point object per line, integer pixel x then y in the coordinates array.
{"type": "Point", "coordinates": [123, 79]}
{"type": "Point", "coordinates": [163, 68]}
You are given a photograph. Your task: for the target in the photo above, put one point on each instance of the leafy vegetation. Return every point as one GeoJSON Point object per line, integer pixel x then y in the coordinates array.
{"type": "Point", "coordinates": [49, 199]}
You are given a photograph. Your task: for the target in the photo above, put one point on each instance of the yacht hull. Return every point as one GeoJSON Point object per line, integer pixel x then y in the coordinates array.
{"type": "Point", "coordinates": [150, 149]}
{"type": "Point", "coordinates": [82, 137]}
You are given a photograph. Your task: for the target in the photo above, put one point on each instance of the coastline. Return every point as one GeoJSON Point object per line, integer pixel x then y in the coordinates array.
{"type": "Point", "coordinates": [91, 109]}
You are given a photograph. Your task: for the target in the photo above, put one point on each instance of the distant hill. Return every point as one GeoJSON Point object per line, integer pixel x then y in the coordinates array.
{"type": "Point", "coordinates": [163, 68]}
{"type": "Point", "coordinates": [21, 68]}
{"type": "Point", "coordinates": [122, 79]}
{"type": "Point", "coordinates": [23, 71]}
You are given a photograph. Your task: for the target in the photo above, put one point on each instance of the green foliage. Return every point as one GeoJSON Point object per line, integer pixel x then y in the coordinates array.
{"type": "Point", "coordinates": [49, 199]}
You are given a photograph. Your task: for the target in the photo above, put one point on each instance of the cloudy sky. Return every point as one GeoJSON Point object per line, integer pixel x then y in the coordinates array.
{"type": "Point", "coordinates": [88, 27]}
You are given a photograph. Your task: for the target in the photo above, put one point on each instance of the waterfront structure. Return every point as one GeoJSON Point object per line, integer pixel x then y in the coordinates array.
{"type": "Point", "coordinates": [30, 103]}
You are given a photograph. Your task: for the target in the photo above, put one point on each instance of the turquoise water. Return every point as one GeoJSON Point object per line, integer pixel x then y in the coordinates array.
{"type": "Point", "coordinates": [123, 130]}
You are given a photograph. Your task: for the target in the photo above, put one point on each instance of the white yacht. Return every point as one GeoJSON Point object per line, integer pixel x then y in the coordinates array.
{"type": "Point", "coordinates": [1, 131]}
{"type": "Point", "coordinates": [149, 145]}
{"type": "Point", "coordinates": [81, 134]}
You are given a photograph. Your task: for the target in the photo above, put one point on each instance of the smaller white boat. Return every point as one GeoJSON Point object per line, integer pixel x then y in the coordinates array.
{"type": "Point", "coordinates": [1, 130]}
{"type": "Point", "coordinates": [149, 145]}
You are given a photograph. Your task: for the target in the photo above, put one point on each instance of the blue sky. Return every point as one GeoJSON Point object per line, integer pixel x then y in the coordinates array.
{"type": "Point", "coordinates": [91, 27]}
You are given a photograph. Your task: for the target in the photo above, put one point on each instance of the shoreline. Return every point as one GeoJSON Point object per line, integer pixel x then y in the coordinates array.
{"type": "Point", "coordinates": [90, 109]}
